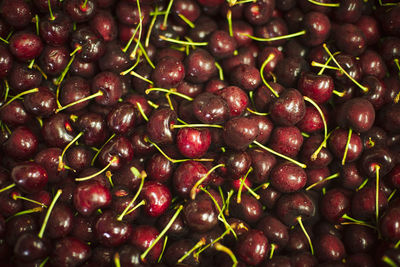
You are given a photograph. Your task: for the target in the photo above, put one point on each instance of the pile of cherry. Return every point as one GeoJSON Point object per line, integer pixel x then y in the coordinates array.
{"type": "Point", "coordinates": [199, 133]}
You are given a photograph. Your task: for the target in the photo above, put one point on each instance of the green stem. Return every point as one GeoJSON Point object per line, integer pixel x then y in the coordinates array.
{"type": "Point", "coordinates": [31, 91]}
{"type": "Point", "coordinates": [306, 234]}
{"type": "Point", "coordinates": [171, 91]}
{"type": "Point", "coordinates": [46, 218]}
{"type": "Point", "coordinates": [282, 37]}
{"type": "Point", "coordinates": [347, 146]}
{"type": "Point", "coordinates": [269, 58]}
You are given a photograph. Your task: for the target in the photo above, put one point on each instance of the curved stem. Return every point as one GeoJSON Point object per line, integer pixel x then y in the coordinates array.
{"type": "Point", "coordinates": [50, 11]}
{"type": "Point", "coordinates": [280, 155]}
{"type": "Point", "coordinates": [339, 94]}
{"type": "Point", "coordinates": [162, 37]}
{"type": "Point", "coordinates": [324, 4]}
{"type": "Point", "coordinates": [193, 191]}
{"type": "Point", "coordinates": [144, 254]}
{"type": "Point", "coordinates": [29, 200]}
{"type": "Point", "coordinates": [146, 56]}
{"type": "Point", "coordinates": [322, 145]}
{"type": "Point", "coordinates": [143, 175]}
{"type": "Point", "coordinates": [242, 182]}
{"type": "Point", "coordinates": [275, 38]}
{"type": "Point", "coordinates": [4, 40]}
{"type": "Point", "coordinates": [46, 218]}
{"type": "Point", "coordinates": [229, 19]}
{"type": "Point", "coordinates": [365, 89]}
{"type": "Point", "coordinates": [226, 250]}
{"type": "Point", "coordinates": [176, 126]}
{"type": "Point", "coordinates": [33, 210]}
{"type": "Point", "coordinates": [65, 71]}
{"type": "Point", "coordinates": [171, 91]}
{"type": "Point", "coordinates": [269, 58]}
{"type": "Point", "coordinates": [273, 247]}
{"type": "Point", "coordinates": [202, 242]}
{"type": "Point", "coordinates": [140, 77]}
{"type": "Point", "coordinates": [60, 162]}
{"type": "Point", "coordinates": [114, 159]}
{"type": "Point", "coordinates": [164, 25]}
{"type": "Point", "coordinates": [306, 234]}
{"type": "Point", "coordinates": [99, 93]}
{"type": "Point", "coordinates": [312, 102]}
{"type": "Point", "coordinates": [151, 26]}
{"type": "Point", "coordinates": [333, 176]}
{"type": "Point", "coordinates": [347, 146]}
{"type": "Point", "coordinates": [324, 66]}
{"type": "Point", "coordinates": [220, 71]}
{"type": "Point", "coordinates": [98, 151]}
{"type": "Point", "coordinates": [139, 106]}
{"type": "Point", "coordinates": [256, 112]}
{"type": "Point", "coordinates": [31, 91]}
{"type": "Point", "coordinates": [163, 249]}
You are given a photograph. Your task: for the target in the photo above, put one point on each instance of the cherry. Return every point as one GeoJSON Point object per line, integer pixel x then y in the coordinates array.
{"type": "Point", "coordinates": [25, 46]}
{"type": "Point", "coordinates": [259, 13]}
{"type": "Point", "coordinates": [42, 103]}
{"type": "Point", "coordinates": [248, 209]}
{"type": "Point", "coordinates": [83, 69]}
{"type": "Point", "coordinates": [288, 177]}
{"type": "Point", "coordinates": [74, 89]}
{"type": "Point", "coordinates": [94, 128]}
{"type": "Point", "coordinates": [23, 78]}
{"type": "Point", "coordinates": [376, 156]}
{"type": "Point", "coordinates": [330, 248]}
{"type": "Point", "coordinates": [210, 109]}
{"type": "Point", "coordinates": [317, 87]}
{"type": "Point", "coordinates": [18, 13]}
{"type": "Point", "coordinates": [262, 163]}
{"type": "Point", "coordinates": [6, 61]}
{"type": "Point", "coordinates": [186, 176]}
{"type": "Point", "coordinates": [389, 117]}
{"type": "Point", "coordinates": [358, 238]}
{"type": "Point", "coordinates": [276, 232]}
{"type": "Point", "coordinates": [236, 99]}
{"type": "Point", "coordinates": [121, 118]}
{"type": "Point", "coordinates": [53, 60]}
{"type": "Point", "coordinates": [60, 222]}
{"type": "Point", "coordinates": [246, 77]}
{"type": "Point", "coordinates": [376, 91]}
{"type": "Point", "coordinates": [200, 215]}
{"type": "Point", "coordinates": [29, 177]}
{"type": "Point", "coordinates": [178, 229]}
{"type": "Point", "coordinates": [317, 179]}
{"type": "Point", "coordinates": [159, 126]}
{"type": "Point", "coordinates": [57, 130]}
{"type": "Point", "coordinates": [237, 164]}
{"type": "Point", "coordinates": [240, 132]}
{"type": "Point", "coordinates": [193, 143]}
{"type": "Point", "coordinates": [87, 45]}
{"type": "Point", "coordinates": [334, 204]}
{"type": "Point", "coordinates": [90, 196]}
{"type": "Point", "coordinates": [350, 39]}
{"type": "Point", "coordinates": [199, 66]}
{"type": "Point", "coordinates": [358, 114]}
{"type": "Point", "coordinates": [288, 109]}
{"type": "Point", "coordinates": [252, 247]}
{"type": "Point", "coordinates": [69, 251]}
{"type": "Point", "coordinates": [129, 256]}
{"type": "Point", "coordinates": [157, 197]}
{"type": "Point", "coordinates": [338, 145]}
{"type": "Point", "coordinates": [363, 204]}
{"type": "Point", "coordinates": [110, 85]}
{"type": "Point", "coordinates": [22, 144]}
{"type": "Point", "coordinates": [290, 206]}
{"type": "Point", "coordinates": [110, 232]}
{"type": "Point", "coordinates": [55, 30]}
{"type": "Point", "coordinates": [104, 25]}
{"type": "Point", "coordinates": [221, 44]}
{"type": "Point", "coordinates": [50, 160]}
{"type": "Point", "coordinates": [264, 97]}
{"type": "Point", "coordinates": [115, 153]}
{"type": "Point", "coordinates": [80, 11]}
{"type": "Point", "coordinates": [286, 140]}
{"type": "Point", "coordinates": [30, 247]}
{"type": "Point", "coordinates": [142, 237]}
{"type": "Point", "coordinates": [177, 250]}
{"type": "Point", "coordinates": [312, 121]}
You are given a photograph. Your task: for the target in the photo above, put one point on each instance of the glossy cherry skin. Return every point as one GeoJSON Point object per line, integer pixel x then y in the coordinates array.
{"type": "Point", "coordinates": [363, 202]}
{"type": "Point", "coordinates": [288, 109]}
{"type": "Point", "coordinates": [359, 238]}
{"type": "Point", "coordinates": [90, 196]}
{"type": "Point", "coordinates": [157, 196]}
{"type": "Point", "coordinates": [389, 224]}
{"type": "Point", "coordinates": [317, 87]}
{"type": "Point", "coordinates": [200, 215]}
{"type": "Point", "coordinates": [350, 39]}
{"type": "Point", "coordinates": [42, 103]}
{"type": "Point", "coordinates": [29, 177]}
{"type": "Point", "coordinates": [199, 66]}
{"type": "Point", "coordinates": [210, 109]}
{"type": "Point", "coordinates": [25, 46]}
{"type": "Point", "coordinates": [74, 89]}
{"type": "Point", "coordinates": [55, 32]}
{"type": "Point", "coordinates": [110, 85]}
{"type": "Point", "coordinates": [262, 164]}
{"type": "Point", "coordinates": [6, 61]}
{"type": "Point", "coordinates": [286, 140]}
{"type": "Point", "coordinates": [249, 209]}
{"type": "Point", "coordinates": [60, 222]}
{"type": "Point", "coordinates": [288, 177]}
{"type": "Point", "coordinates": [276, 232]}
{"type": "Point", "coordinates": [317, 26]}
{"type": "Point", "coordinates": [246, 77]}
{"type": "Point", "coordinates": [30, 247]}
{"type": "Point", "coordinates": [312, 121]}
{"type": "Point", "coordinates": [110, 232]}
{"type": "Point", "coordinates": [22, 78]}
{"type": "Point", "coordinates": [252, 247]}
{"type": "Point", "coordinates": [178, 228]}
{"type": "Point", "coordinates": [240, 132]}
{"type": "Point", "coordinates": [376, 156]}
{"type": "Point", "coordinates": [94, 128]}
{"type": "Point", "coordinates": [122, 118]}
{"type": "Point", "coordinates": [169, 72]}
{"type": "Point", "coordinates": [116, 153]}
{"type": "Point", "coordinates": [193, 143]}
{"type": "Point", "coordinates": [129, 256]}
{"type": "Point", "coordinates": [288, 70]}
{"type": "Point", "coordinates": [79, 13]}
{"type": "Point", "coordinates": [338, 141]}
{"type": "Point", "coordinates": [334, 204]}
{"type": "Point", "coordinates": [358, 114]}
{"type": "Point", "coordinates": [291, 206]}
{"type": "Point", "coordinates": [69, 251]}
{"type": "Point", "coordinates": [142, 236]}
{"type": "Point", "coordinates": [186, 176]}
{"type": "Point", "coordinates": [16, 13]}
{"type": "Point", "coordinates": [57, 130]}
{"type": "Point", "coordinates": [236, 99]}
{"type": "Point", "coordinates": [50, 159]}
{"type": "Point", "coordinates": [329, 248]}
{"type": "Point", "coordinates": [22, 144]}
{"type": "Point", "coordinates": [159, 126]}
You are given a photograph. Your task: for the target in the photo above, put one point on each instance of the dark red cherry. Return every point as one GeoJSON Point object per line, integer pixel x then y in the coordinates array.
{"type": "Point", "coordinates": [200, 215]}
{"type": "Point", "coordinates": [338, 142]}
{"type": "Point", "coordinates": [83, 69]}
{"type": "Point", "coordinates": [74, 89]}
{"type": "Point", "coordinates": [25, 46]}
{"type": "Point", "coordinates": [122, 118]}
{"type": "Point", "coordinates": [290, 206]}
{"type": "Point", "coordinates": [329, 248]}
{"type": "Point", "coordinates": [30, 247]}
{"type": "Point", "coordinates": [389, 224]}
{"type": "Point", "coordinates": [142, 237]}
{"type": "Point", "coordinates": [351, 65]}
{"type": "Point", "coordinates": [286, 140]}
{"type": "Point", "coordinates": [263, 97]}
{"type": "Point", "coordinates": [363, 203]}
{"type": "Point", "coordinates": [288, 109]}
{"type": "Point", "coordinates": [350, 177]}
{"type": "Point", "coordinates": [60, 222]}
{"type": "Point", "coordinates": [358, 114]}
{"type": "Point", "coordinates": [91, 47]}
{"type": "Point", "coordinates": [186, 176]}
{"type": "Point", "coordinates": [317, 26]}
{"type": "Point", "coordinates": [349, 11]}
{"type": "Point", "coordinates": [376, 156]}
{"type": "Point", "coordinates": [18, 225]}
{"type": "Point", "coordinates": [236, 99]}
{"type": "Point", "coordinates": [57, 130]}
{"type": "Point", "coordinates": [110, 232]}
{"type": "Point", "coordinates": [169, 72]}
{"type": "Point", "coordinates": [29, 177]}
{"type": "Point", "coordinates": [14, 114]}
{"type": "Point", "coordinates": [370, 28]}
{"type": "Point", "coordinates": [252, 247]}
{"type": "Point", "coordinates": [210, 109]}
{"type": "Point", "coordinates": [116, 153]}
{"type": "Point", "coordinates": [193, 143]}
{"type": "Point", "coordinates": [110, 85]}
{"type": "Point", "coordinates": [317, 87]}
{"type": "Point", "coordinates": [94, 128]}
{"type": "Point", "coordinates": [221, 44]}
{"type": "Point", "coordinates": [90, 196]}
{"type": "Point", "coordinates": [246, 77]}
{"type": "Point", "coordinates": [372, 64]}
{"type": "Point", "coordinates": [275, 27]}
{"type": "Point", "coordinates": [80, 11]}
{"type": "Point", "coordinates": [389, 117]}
{"type": "Point", "coordinates": [69, 251]}
{"type": "Point", "coordinates": [350, 39]}
{"type": "Point", "coordinates": [312, 121]}
{"type": "Point", "coordinates": [311, 144]}
{"type": "Point", "coordinates": [17, 13]}
{"type": "Point", "coordinates": [376, 91]}
{"type": "Point", "coordinates": [359, 238]}
{"type": "Point", "coordinates": [276, 232]}
{"type": "Point", "coordinates": [240, 132]}
{"type": "Point", "coordinates": [159, 126]}
{"type": "Point", "coordinates": [249, 209]}
{"type": "Point", "coordinates": [200, 66]}
{"type": "Point", "coordinates": [42, 103]}
{"type": "Point", "coordinates": [262, 164]}
{"type": "Point", "coordinates": [157, 197]}
{"type": "Point", "coordinates": [129, 256]}
{"type": "Point", "coordinates": [22, 144]}
{"type": "Point", "coordinates": [55, 31]}
{"type": "Point", "coordinates": [334, 204]}
{"type": "Point", "coordinates": [49, 159]}
{"type": "Point", "coordinates": [53, 60]}
{"type": "Point", "coordinates": [288, 177]}
{"type": "Point", "coordinates": [104, 25]}
{"type": "Point", "coordinates": [22, 78]}
{"type": "Point", "coordinates": [259, 13]}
